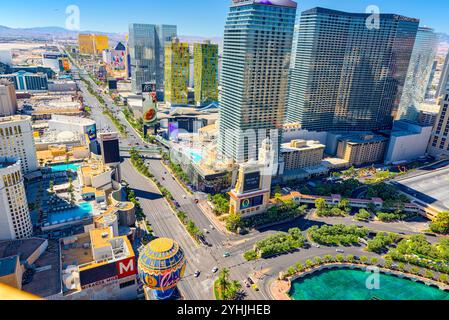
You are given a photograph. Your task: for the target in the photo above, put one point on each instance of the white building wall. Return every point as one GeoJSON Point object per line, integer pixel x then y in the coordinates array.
{"type": "Point", "coordinates": [408, 147]}
{"type": "Point", "coordinates": [18, 143]}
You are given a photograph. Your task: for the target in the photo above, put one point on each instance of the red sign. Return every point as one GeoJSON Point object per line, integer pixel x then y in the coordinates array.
{"type": "Point", "coordinates": [126, 268]}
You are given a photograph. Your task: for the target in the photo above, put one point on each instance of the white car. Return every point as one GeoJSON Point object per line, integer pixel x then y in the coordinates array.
{"type": "Point", "coordinates": [215, 270]}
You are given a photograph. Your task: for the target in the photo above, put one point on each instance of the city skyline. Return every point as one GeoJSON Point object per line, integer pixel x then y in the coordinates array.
{"type": "Point", "coordinates": [193, 16]}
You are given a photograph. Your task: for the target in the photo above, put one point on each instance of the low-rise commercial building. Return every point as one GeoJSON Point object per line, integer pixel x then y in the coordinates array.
{"type": "Point", "coordinates": [98, 265]}
{"type": "Point", "coordinates": [30, 82]}
{"type": "Point", "coordinates": [362, 149]}
{"type": "Point", "coordinates": [408, 141]}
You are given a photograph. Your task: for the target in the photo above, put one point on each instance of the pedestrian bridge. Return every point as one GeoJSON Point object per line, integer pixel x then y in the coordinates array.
{"type": "Point", "coordinates": [150, 149]}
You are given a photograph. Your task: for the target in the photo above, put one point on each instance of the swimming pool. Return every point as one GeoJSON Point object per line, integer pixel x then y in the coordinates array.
{"type": "Point", "coordinates": [348, 284]}
{"type": "Point", "coordinates": [196, 155]}
{"type": "Point", "coordinates": [64, 167]}
{"type": "Point", "coordinates": [83, 211]}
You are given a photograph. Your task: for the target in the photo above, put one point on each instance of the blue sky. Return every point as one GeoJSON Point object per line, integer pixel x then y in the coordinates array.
{"type": "Point", "coordinates": [194, 17]}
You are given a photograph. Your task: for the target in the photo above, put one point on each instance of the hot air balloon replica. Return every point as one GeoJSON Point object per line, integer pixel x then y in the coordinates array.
{"type": "Point", "coordinates": [162, 265]}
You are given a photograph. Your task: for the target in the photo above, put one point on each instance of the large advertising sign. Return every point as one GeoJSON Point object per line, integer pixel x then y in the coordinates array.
{"type": "Point", "coordinates": [251, 202]}
{"type": "Point", "coordinates": [108, 273]}
{"type": "Point", "coordinates": [149, 104]}
{"type": "Point", "coordinates": [252, 181]}
{"type": "Point", "coordinates": [91, 132]}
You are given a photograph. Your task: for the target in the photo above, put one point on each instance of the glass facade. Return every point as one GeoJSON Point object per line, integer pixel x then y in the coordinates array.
{"type": "Point", "coordinates": [254, 78]}
{"type": "Point", "coordinates": [142, 50]}
{"type": "Point", "coordinates": [146, 48]}
{"type": "Point", "coordinates": [165, 34]}
{"type": "Point", "coordinates": [177, 59]}
{"type": "Point", "coordinates": [348, 75]}
{"type": "Point", "coordinates": [206, 72]}
{"type": "Point", "coordinates": [419, 73]}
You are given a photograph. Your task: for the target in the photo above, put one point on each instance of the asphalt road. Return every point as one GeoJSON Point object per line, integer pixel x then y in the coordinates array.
{"type": "Point", "coordinates": [202, 258]}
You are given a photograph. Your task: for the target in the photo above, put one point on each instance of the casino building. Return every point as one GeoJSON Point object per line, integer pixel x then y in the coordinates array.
{"type": "Point", "coordinates": [98, 265]}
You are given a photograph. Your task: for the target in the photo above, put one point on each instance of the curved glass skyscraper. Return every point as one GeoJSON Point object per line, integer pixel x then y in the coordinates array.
{"type": "Point", "coordinates": [256, 58]}
{"type": "Point", "coordinates": [349, 70]}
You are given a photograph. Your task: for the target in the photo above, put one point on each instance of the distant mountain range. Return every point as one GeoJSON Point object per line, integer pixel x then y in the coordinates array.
{"type": "Point", "coordinates": [48, 33]}
{"type": "Point", "coordinates": [44, 33]}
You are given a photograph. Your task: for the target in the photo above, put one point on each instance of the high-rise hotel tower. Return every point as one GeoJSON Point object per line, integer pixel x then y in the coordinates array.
{"type": "Point", "coordinates": [349, 69]}
{"type": "Point", "coordinates": [255, 65]}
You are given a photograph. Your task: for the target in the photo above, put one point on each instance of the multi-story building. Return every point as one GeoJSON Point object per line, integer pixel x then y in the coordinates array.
{"type": "Point", "coordinates": [142, 51]}
{"type": "Point", "coordinates": [16, 140]}
{"type": "Point", "coordinates": [419, 73]}
{"type": "Point", "coordinates": [361, 149]}
{"type": "Point", "coordinates": [25, 81]}
{"type": "Point", "coordinates": [255, 65]}
{"type": "Point", "coordinates": [347, 75]}
{"type": "Point", "coordinates": [205, 57]}
{"type": "Point", "coordinates": [300, 154]}
{"type": "Point", "coordinates": [147, 53]}
{"type": "Point", "coordinates": [177, 59]}
{"type": "Point", "coordinates": [98, 265]}
{"type": "Point", "coordinates": [92, 43]}
{"type": "Point", "coordinates": [444, 80]}
{"type": "Point", "coordinates": [165, 34]}
{"type": "Point", "coordinates": [15, 221]}
{"type": "Point", "coordinates": [115, 59]}
{"type": "Point", "coordinates": [8, 100]}
{"type": "Point", "coordinates": [439, 142]}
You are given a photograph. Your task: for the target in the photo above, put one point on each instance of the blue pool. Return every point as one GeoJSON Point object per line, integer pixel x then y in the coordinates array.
{"type": "Point", "coordinates": [83, 211]}
{"type": "Point", "coordinates": [64, 167]}
{"type": "Point", "coordinates": [196, 155]}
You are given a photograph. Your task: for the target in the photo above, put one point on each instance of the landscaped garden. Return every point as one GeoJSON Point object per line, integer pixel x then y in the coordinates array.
{"type": "Point", "coordinates": [337, 235]}
{"type": "Point", "coordinates": [277, 244]}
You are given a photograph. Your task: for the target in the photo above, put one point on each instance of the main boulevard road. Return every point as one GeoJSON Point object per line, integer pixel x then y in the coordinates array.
{"type": "Point", "coordinates": [201, 258]}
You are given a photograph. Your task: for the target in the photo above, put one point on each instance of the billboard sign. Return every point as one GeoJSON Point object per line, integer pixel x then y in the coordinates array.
{"type": "Point", "coordinates": [251, 202]}
{"type": "Point", "coordinates": [252, 181]}
{"type": "Point", "coordinates": [126, 268]}
{"type": "Point", "coordinates": [108, 273]}
{"type": "Point", "coordinates": [91, 132]}
{"type": "Point", "coordinates": [149, 104]}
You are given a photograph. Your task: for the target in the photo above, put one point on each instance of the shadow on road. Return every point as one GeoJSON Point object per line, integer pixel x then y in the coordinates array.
{"type": "Point", "coordinates": [147, 195]}
{"type": "Point", "coordinates": [302, 223]}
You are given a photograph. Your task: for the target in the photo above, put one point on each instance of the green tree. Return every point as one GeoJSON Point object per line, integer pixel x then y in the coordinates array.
{"type": "Point", "coordinates": [234, 222]}
{"type": "Point", "coordinates": [441, 223]}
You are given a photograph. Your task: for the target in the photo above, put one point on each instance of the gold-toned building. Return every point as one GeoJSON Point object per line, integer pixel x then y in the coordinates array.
{"type": "Point", "coordinates": [206, 72]}
{"type": "Point", "coordinates": [177, 64]}
{"type": "Point", "coordinates": [92, 43]}
{"type": "Point", "coordinates": [362, 149]}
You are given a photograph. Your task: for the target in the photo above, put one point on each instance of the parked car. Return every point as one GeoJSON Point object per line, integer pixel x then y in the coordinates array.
{"type": "Point", "coordinates": [226, 255]}
{"type": "Point", "coordinates": [197, 274]}
{"type": "Point", "coordinates": [215, 270]}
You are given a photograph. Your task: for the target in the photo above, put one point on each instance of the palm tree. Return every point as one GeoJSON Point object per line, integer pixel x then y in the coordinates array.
{"type": "Point", "coordinates": [223, 280]}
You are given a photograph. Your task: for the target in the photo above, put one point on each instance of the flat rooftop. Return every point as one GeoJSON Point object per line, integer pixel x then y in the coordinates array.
{"type": "Point", "coordinates": [7, 265]}
{"type": "Point", "coordinates": [45, 281]}
{"type": "Point", "coordinates": [429, 187]}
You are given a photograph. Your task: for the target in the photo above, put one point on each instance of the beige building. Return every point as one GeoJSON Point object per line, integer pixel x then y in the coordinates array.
{"type": "Point", "coordinates": [8, 100]}
{"type": "Point", "coordinates": [16, 140]}
{"type": "Point", "coordinates": [15, 220]}
{"type": "Point", "coordinates": [439, 142]}
{"type": "Point", "coordinates": [362, 149]}
{"type": "Point", "coordinates": [300, 154]}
